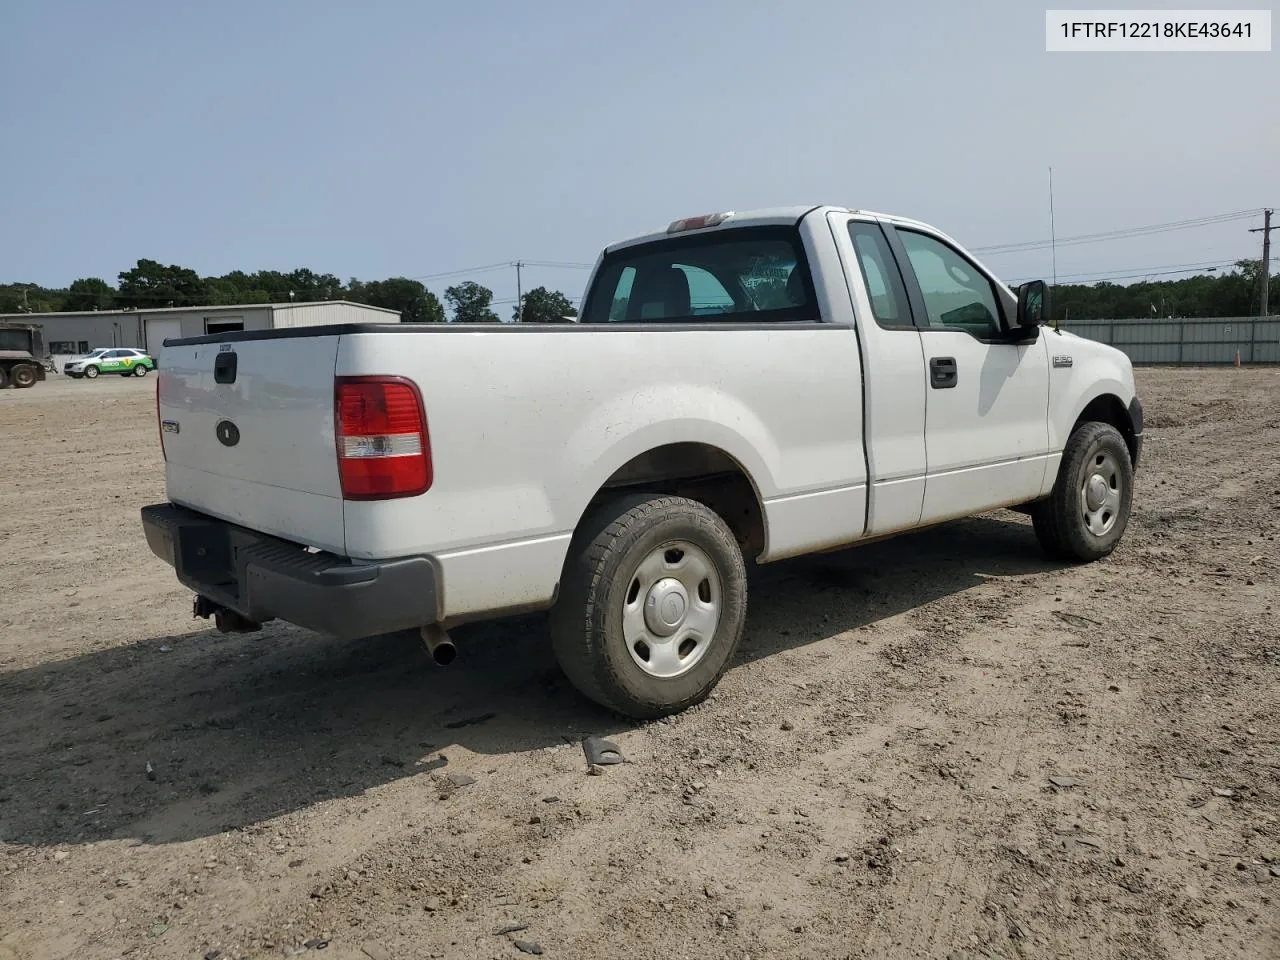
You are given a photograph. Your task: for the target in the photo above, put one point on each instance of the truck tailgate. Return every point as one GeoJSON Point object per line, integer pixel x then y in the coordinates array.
{"type": "Point", "coordinates": [252, 443]}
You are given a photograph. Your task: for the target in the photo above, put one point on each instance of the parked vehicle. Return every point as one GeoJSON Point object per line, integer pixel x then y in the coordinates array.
{"type": "Point", "coordinates": [23, 360]}
{"type": "Point", "coordinates": [125, 361]}
{"type": "Point", "coordinates": [738, 387]}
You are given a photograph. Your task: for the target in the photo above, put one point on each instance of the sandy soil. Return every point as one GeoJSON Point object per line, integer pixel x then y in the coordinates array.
{"type": "Point", "coordinates": [874, 778]}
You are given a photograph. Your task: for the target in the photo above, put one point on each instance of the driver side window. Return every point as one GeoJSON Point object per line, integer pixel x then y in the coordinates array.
{"type": "Point", "coordinates": [956, 295]}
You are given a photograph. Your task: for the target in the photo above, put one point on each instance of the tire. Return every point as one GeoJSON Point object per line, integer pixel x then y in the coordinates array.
{"type": "Point", "coordinates": [140, 370]}
{"type": "Point", "coordinates": [635, 567]}
{"type": "Point", "coordinates": [91, 372]}
{"type": "Point", "coordinates": [23, 376]}
{"type": "Point", "coordinates": [1088, 511]}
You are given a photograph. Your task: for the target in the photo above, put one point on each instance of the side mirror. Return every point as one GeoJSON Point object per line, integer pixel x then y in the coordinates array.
{"type": "Point", "coordinates": [1033, 303]}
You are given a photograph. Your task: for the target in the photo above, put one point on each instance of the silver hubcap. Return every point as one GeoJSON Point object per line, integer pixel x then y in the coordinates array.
{"type": "Point", "coordinates": [671, 609]}
{"type": "Point", "coordinates": [1100, 494]}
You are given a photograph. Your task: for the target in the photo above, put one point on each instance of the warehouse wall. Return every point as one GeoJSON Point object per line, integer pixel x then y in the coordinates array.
{"type": "Point", "coordinates": [1193, 341]}
{"type": "Point", "coordinates": [195, 321]}
{"type": "Point", "coordinates": [106, 330]}
{"type": "Point", "coordinates": [324, 314]}
{"type": "Point", "coordinates": [78, 333]}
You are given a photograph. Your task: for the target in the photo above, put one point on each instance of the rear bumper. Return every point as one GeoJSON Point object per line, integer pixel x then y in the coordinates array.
{"type": "Point", "coordinates": [264, 578]}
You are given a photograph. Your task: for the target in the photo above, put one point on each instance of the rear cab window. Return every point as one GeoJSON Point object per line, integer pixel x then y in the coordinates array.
{"type": "Point", "coordinates": [736, 275]}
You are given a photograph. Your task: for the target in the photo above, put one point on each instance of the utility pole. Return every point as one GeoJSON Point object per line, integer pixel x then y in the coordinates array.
{"type": "Point", "coordinates": [1265, 230]}
{"type": "Point", "coordinates": [519, 294]}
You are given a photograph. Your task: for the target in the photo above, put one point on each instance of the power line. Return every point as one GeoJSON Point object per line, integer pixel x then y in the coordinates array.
{"type": "Point", "coordinates": [505, 264]}
{"type": "Point", "coordinates": [511, 300]}
{"type": "Point", "coordinates": [1126, 233]}
{"type": "Point", "coordinates": [458, 273]}
{"type": "Point", "coordinates": [1152, 271]}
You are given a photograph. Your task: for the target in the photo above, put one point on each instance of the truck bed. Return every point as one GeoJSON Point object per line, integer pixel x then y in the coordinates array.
{"type": "Point", "coordinates": [525, 424]}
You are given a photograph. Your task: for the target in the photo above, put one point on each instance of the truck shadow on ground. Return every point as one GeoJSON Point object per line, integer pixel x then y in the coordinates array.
{"type": "Point", "coordinates": [242, 728]}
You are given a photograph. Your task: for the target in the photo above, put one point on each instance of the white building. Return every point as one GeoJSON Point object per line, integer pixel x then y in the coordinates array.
{"type": "Point", "coordinates": [76, 333]}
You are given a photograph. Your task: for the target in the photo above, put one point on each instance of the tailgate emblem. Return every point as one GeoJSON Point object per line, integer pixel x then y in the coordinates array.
{"type": "Point", "coordinates": [169, 426]}
{"type": "Point", "coordinates": [228, 433]}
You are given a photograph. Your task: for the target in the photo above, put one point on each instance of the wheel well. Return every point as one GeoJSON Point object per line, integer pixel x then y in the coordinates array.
{"type": "Point", "coordinates": [1108, 409]}
{"type": "Point", "coordinates": [700, 472]}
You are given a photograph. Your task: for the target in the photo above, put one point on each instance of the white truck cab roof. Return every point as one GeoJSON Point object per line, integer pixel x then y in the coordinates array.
{"type": "Point", "coordinates": [783, 216]}
{"type": "Point", "coordinates": [763, 217]}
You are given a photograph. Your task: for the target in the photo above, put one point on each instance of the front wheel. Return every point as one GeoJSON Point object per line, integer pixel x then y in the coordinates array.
{"type": "Point", "coordinates": [140, 371]}
{"type": "Point", "coordinates": [652, 605]}
{"type": "Point", "coordinates": [1087, 513]}
{"type": "Point", "coordinates": [90, 372]}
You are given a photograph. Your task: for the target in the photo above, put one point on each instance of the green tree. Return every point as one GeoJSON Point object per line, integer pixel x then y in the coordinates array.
{"type": "Point", "coordinates": [415, 302]}
{"type": "Point", "coordinates": [1231, 293]}
{"type": "Point", "coordinates": [544, 306]}
{"type": "Point", "coordinates": [152, 284]}
{"type": "Point", "coordinates": [29, 298]}
{"type": "Point", "coordinates": [470, 303]}
{"type": "Point", "coordinates": [310, 287]}
{"type": "Point", "coordinates": [89, 293]}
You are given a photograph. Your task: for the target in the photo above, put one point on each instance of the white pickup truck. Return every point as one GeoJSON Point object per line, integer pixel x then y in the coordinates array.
{"type": "Point", "coordinates": [747, 386]}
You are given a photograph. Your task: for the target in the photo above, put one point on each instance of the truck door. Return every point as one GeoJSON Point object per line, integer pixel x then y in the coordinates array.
{"type": "Point", "coordinates": [893, 371]}
{"type": "Point", "coordinates": [986, 420]}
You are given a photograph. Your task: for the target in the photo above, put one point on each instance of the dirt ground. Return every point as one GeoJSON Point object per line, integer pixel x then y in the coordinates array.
{"type": "Point", "coordinates": [938, 746]}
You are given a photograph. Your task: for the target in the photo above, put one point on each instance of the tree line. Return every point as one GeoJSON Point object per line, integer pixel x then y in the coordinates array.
{"type": "Point", "coordinates": [1233, 293]}
{"type": "Point", "coordinates": [152, 284]}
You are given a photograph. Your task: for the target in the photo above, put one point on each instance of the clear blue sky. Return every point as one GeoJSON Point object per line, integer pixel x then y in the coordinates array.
{"type": "Point", "coordinates": [409, 138]}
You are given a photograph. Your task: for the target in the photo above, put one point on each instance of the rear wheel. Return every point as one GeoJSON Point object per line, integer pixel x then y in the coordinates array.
{"type": "Point", "coordinates": [23, 375]}
{"type": "Point", "coordinates": [140, 370]}
{"type": "Point", "coordinates": [91, 372]}
{"type": "Point", "coordinates": [1087, 513]}
{"type": "Point", "coordinates": [652, 605]}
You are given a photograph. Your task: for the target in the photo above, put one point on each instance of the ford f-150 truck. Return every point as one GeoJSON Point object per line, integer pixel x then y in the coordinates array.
{"type": "Point", "coordinates": [739, 387]}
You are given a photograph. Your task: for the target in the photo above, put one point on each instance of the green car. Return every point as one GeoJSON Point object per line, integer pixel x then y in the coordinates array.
{"type": "Point", "coordinates": [122, 360]}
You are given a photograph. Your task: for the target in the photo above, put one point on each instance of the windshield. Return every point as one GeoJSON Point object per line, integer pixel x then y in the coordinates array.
{"type": "Point", "coordinates": [750, 274]}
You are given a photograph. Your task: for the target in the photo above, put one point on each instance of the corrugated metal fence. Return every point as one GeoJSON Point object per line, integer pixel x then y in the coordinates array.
{"type": "Point", "coordinates": [1193, 341]}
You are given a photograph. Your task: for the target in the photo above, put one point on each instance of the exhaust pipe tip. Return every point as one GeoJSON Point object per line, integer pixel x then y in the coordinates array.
{"type": "Point", "coordinates": [436, 639]}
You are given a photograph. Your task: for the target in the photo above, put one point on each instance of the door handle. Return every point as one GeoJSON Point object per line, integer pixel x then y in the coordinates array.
{"type": "Point", "coordinates": [942, 372]}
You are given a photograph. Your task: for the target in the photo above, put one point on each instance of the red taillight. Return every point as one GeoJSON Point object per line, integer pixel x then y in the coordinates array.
{"type": "Point", "coordinates": [381, 434]}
